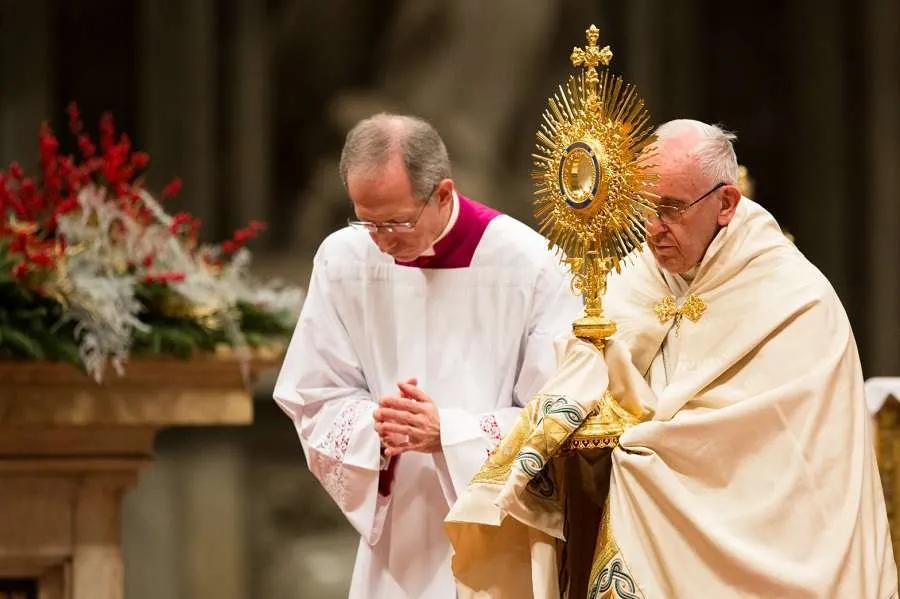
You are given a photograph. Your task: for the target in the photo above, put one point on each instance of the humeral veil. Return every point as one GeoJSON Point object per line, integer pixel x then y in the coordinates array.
{"type": "Point", "coordinates": [737, 478]}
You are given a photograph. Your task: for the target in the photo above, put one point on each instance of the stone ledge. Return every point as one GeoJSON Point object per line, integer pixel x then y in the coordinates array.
{"type": "Point", "coordinates": [156, 392]}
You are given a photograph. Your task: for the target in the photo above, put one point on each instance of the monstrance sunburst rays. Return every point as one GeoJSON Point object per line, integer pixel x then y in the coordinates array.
{"type": "Point", "coordinates": [577, 209]}
{"type": "Point", "coordinates": [592, 177]}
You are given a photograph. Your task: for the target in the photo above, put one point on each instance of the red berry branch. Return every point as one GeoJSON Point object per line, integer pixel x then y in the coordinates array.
{"type": "Point", "coordinates": [30, 209]}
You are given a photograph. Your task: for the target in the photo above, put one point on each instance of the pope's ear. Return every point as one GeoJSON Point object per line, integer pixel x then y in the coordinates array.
{"type": "Point", "coordinates": [731, 195]}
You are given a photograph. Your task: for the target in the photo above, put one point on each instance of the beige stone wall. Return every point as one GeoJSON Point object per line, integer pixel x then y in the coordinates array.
{"type": "Point", "coordinates": [233, 513]}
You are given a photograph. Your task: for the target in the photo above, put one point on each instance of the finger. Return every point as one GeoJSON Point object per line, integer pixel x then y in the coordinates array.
{"type": "Point", "coordinates": [407, 434]}
{"type": "Point", "coordinates": [396, 428]}
{"type": "Point", "coordinates": [394, 399]}
{"type": "Point", "coordinates": [402, 404]}
{"type": "Point", "coordinates": [383, 398]}
{"type": "Point", "coordinates": [393, 452]}
{"type": "Point", "coordinates": [393, 440]}
{"type": "Point", "coordinates": [420, 447]}
{"type": "Point", "coordinates": [399, 416]}
{"type": "Point", "coordinates": [386, 413]}
{"type": "Point", "coordinates": [396, 440]}
{"type": "Point", "coordinates": [390, 439]}
{"type": "Point", "coordinates": [413, 392]}
{"type": "Point", "coordinates": [410, 381]}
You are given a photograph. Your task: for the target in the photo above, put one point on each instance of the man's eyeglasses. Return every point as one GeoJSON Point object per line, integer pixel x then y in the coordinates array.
{"type": "Point", "coordinates": [671, 214]}
{"type": "Point", "coordinates": [392, 227]}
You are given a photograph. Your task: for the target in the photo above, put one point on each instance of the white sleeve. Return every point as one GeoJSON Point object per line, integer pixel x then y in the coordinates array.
{"type": "Point", "coordinates": [467, 438]}
{"type": "Point", "coordinates": [322, 389]}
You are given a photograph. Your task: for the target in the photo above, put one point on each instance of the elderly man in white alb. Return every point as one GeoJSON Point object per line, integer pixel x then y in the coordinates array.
{"type": "Point", "coordinates": [746, 467]}
{"type": "Point", "coordinates": [428, 324]}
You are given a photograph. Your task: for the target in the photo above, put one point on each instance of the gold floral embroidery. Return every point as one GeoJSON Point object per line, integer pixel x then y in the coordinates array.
{"type": "Point", "coordinates": [666, 309]}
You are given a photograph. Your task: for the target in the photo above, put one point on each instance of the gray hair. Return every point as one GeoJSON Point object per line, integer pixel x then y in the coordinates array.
{"type": "Point", "coordinates": [375, 140]}
{"type": "Point", "coordinates": [714, 151]}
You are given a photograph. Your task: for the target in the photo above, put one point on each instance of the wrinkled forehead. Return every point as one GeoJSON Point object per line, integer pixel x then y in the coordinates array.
{"type": "Point", "coordinates": [678, 171]}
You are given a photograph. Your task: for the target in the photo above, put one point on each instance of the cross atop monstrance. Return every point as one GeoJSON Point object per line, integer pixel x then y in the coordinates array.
{"type": "Point", "coordinates": [592, 184]}
{"type": "Point", "coordinates": [591, 55]}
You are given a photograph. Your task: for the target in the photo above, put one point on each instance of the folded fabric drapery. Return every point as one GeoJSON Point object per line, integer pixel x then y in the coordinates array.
{"type": "Point", "coordinates": [750, 473]}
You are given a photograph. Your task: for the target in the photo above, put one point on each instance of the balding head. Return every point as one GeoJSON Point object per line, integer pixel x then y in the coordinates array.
{"type": "Point", "coordinates": [397, 173]}
{"type": "Point", "coordinates": [708, 149]}
{"type": "Point", "coordinates": [375, 141]}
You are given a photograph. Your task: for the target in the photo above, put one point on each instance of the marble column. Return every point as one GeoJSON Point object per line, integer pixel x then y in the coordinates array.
{"type": "Point", "coordinates": [641, 53]}
{"type": "Point", "coordinates": [213, 503]}
{"type": "Point", "coordinates": [178, 101]}
{"type": "Point", "coordinates": [186, 521]}
{"type": "Point", "coordinates": [818, 142]}
{"type": "Point", "coordinates": [248, 171]}
{"type": "Point", "coordinates": [681, 92]}
{"type": "Point", "coordinates": [97, 558]}
{"type": "Point", "coordinates": [25, 80]}
{"type": "Point", "coordinates": [882, 225]}
{"type": "Point", "coordinates": [151, 546]}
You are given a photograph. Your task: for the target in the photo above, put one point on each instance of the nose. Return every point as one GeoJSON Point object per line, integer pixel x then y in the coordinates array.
{"type": "Point", "coordinates": [655, 226]}
{"type": "Point", "coordinates": [382, 240]}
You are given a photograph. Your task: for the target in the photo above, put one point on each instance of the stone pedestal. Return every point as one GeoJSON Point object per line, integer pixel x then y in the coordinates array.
{"type": "Point", "coordinates": [70, 447]}
{"type": "Point", "coordinates": [883, 396]}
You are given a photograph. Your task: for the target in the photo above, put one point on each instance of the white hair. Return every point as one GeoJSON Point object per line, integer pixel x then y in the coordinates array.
{"type": "Point", "coordinates": [714, 149]}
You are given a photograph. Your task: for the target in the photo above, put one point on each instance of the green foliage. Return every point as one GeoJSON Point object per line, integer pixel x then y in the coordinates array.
{"type": "Point", "coordinates": [32, 327]}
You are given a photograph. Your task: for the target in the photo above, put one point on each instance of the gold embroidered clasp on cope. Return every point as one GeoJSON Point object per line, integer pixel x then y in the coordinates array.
{"type": "Point", "coordinates": [666, 309]}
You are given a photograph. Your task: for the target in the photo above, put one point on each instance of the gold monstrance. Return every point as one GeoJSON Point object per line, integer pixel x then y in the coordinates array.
{"type": "Point", "coordinates": [592, 178]}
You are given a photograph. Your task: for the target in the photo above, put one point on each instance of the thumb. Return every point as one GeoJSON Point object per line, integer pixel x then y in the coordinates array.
{"type": "Point", "coordinates": [412, 392]}
{"type": "Point", "coordinates": [412, 381]}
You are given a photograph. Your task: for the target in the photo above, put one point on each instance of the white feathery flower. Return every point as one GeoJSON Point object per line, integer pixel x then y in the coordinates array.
{"type": "Point", "coordinates": [103, 240]}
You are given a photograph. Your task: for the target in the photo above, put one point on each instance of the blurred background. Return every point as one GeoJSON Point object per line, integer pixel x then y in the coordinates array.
{"type": "Point", "coordinates": [248, 102]}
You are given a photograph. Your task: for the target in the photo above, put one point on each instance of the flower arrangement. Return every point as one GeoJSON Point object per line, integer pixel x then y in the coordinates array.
{"type": "Point", "coordinates": [94, 270]}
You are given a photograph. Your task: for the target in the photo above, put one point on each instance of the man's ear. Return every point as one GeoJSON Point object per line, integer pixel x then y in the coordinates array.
{"type": "Point", "coordinates": [444, 191]}
{"type": "Point", "coordinates": [730, 197]}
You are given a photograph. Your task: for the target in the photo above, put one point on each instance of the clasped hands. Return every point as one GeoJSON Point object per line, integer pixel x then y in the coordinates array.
{"type": "Point", "coordinates": [409, 422]}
